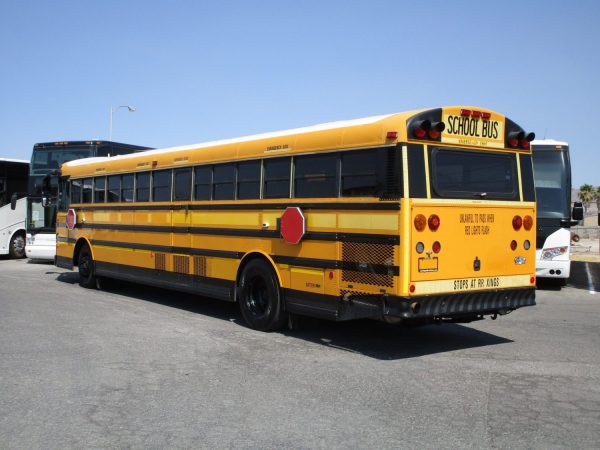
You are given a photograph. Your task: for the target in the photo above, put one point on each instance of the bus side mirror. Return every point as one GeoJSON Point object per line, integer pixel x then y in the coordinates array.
{"type": "Point", "coordinates": [13, 201]}
{"type": "Point", "coordinates": [45, 202]}
{"type": "Point", "coordinates": [577, 211]}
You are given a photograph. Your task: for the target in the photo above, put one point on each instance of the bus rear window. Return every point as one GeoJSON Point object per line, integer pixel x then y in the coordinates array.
{"type": "Point", "coordinates": [473, 174]}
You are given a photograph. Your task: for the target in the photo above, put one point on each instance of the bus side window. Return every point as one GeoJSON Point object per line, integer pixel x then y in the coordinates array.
{"type": "Point", "coordinates": [114, 189]}
{"type": "Point", "coordinates": [99, 189]}
{"type": "Point", "coordinates": [142, 187]}
{"type": "Point", "coordinates": [363, 173]}
{"type": "Point", "coordinates": [182, 184]}
{"type": "Point", "coordinates": [88, 184]}
{"type": "Point", "coordinates": [202, 182]}
{"type": "Point", "coordinates": [161, 186]}
{"type": "Point", "coordinates": [3, 192]}
{"type": "Point", "coordinates": [64, 197]}
{"type": "Point", "coordinates": [127, 187]}
{"type": "Point", "coordinates": [316, 176]}
{"type": "Point", "coordinates": [248, 180]}
{"type": "Point", "coordinates": [224, 182]}
{"type": "Point", "coordinates": [276, 178]}
{"type": "Point", "coordinates": [76, 191]}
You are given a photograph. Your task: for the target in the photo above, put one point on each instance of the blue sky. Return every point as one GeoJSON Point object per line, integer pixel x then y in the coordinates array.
{"type": "Point", "coordinates": [199, 70]}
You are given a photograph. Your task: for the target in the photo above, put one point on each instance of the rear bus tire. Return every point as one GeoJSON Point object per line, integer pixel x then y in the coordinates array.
{"type": "Point", "coordinates": [87, 269]}
{"type": "Point", "coordinates": [16, 249]}
{"type": "Point", "coordinates": [261, 302]}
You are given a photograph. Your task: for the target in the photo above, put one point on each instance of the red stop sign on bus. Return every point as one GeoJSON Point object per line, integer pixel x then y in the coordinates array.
{"type": "Point", "coordinates": [293, 225]}
{"type": "Point", "coordinates": [71, 219]}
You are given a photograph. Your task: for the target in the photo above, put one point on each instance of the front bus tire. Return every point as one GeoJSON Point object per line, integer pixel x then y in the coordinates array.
{"type": "Point", "coordinates": [260, 297]}
{"type": "Point", "coordinates": [16, 249]}
{"type": "Point", "coordinates": [87, 268]}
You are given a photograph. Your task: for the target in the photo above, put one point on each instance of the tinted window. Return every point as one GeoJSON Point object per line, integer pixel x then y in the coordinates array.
{"type": "Point", "coordinates": [363, 173]}
{"type": "Point", "coordinates": [224, 182]}
{"type": "Point", "coordinates": [276, 178]}
{"type": "Point", "coordinates": [472, 174]}
{"type": "Point", "coordinates": [248, 180]}
{"type": "Point", "coordinates": [202, 182]}
{"type": "Point", "coordinates": [113, 194]}
{"type": "Point", "coordinates": [161, 186]}
{"type": "Point", "coordinates": [183, 184]}
{"type": "Point", "coordinates": [550, 172]}
{"type": "Point", "coordinates": [99, 189]}
{"type": "Point", "coordinates": [127, 188]}
{"type": "Point", "coordinates": [87, 190]}
{"type": "Point", "coordinates": [142, 187]}
{"type": "Point", "coordinates": [316, 176]}
{"type": "Point", "coordinates": [76, 191]}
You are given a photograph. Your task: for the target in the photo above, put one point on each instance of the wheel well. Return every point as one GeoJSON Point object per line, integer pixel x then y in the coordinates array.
{"type": "Point", "coordinates": [251, 257]}
{"type": "Point", "coordinates": [19, 232]}
{"type": "Point", "coordinates": [78, 246]}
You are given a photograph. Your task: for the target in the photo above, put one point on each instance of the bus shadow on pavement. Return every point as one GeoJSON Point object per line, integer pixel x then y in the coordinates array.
{"type": "Point", "coordinates": [383, 341]}
{"type": "Point", "coordinates": [370, 338]}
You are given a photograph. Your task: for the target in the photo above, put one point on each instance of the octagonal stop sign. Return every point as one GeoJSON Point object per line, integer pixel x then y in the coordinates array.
{"type": "Point", "coordinates": [293, 225]}
{"type": "Point", "coordinates": [71, 219]}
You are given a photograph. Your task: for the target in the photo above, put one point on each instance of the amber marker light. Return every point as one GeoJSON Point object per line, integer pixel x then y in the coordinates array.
{"type": "Point", "coordinates": [420, 222]}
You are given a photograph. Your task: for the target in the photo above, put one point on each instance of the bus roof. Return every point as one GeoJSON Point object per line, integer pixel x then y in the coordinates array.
{"type": "Point", "coordinates": [14, 160]}
{"type": "Point", "coordinates": [348, 134]}
{"type": "Point", "coordinates": [548, 142]}
{"type": "Point", "coordinates": [80, 143]}
{"type": "Point", "coordinates": [253, 137]}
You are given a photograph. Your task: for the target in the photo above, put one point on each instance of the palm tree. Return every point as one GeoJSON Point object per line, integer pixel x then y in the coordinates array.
{"type": "Point", "coordinates": [597, 197]}
{"type": "Point", "coordinates": [587, 193]}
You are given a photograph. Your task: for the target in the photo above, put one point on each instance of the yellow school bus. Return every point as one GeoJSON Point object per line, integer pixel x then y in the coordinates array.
{"type": "Point", "coordinates": [416, 217]}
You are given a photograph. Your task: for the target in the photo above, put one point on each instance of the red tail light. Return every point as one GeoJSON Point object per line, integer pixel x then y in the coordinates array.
{"type": "Point", "coordinates": [527, 223]}
{"type": "Point", "coordinates": [436, 129]}
{"type": "Point", "coordinates": [524, 144]}
{"type": "Point", "coordinates": [392, 134]}
{"type": "Point", "coordinates": [436, 247]}
{"type": "Point", "coordinates": [433, 222]}
{"type": "Point", "coordinates": [517, 223]}
{"type": "Point", "coordinates": [515, 137]}
{"type": "Point", "coordinates": [513, 245]}
{"type": "Point", "coordinates": [419, 133]}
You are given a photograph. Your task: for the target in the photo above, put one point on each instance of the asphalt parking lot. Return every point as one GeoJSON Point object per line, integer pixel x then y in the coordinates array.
{"type": "Point", "coordinates": [139, 367]}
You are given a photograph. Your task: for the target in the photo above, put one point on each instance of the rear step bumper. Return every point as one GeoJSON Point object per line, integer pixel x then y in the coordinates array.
{"type": "Point", "coordinates": [417, 308]}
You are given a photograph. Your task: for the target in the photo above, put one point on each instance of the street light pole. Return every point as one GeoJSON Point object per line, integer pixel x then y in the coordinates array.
{"type": "Point", "coordinates": [110, 121]}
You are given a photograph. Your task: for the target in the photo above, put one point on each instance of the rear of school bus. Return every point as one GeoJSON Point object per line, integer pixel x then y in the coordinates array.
{"type": "Point", "coordinates": [467, 215]}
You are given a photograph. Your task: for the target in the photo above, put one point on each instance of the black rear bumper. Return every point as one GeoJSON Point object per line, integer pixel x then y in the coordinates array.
{"type": "Point", "coordinates": [444, 306]}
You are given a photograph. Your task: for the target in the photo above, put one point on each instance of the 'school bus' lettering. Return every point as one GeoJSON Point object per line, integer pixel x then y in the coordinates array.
{"type": "Point", "coordinates": [399, 219]}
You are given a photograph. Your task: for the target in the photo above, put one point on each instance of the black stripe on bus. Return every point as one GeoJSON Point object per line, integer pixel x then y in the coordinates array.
{"type": "Point", "coordinates": [65, 240]}
{"type": "Point", "coordinates": [194, 284]}
{"type": "Point", "coordinates": [369, 206]}
{"type": "Point", "coordinates": [317, 235]}
{"type": "Point", "coordinates": [170, 249]}
{"type": "Point", "coordinates": [292, 260]}
{"type": "Point", "coordinates": [379, 269]}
